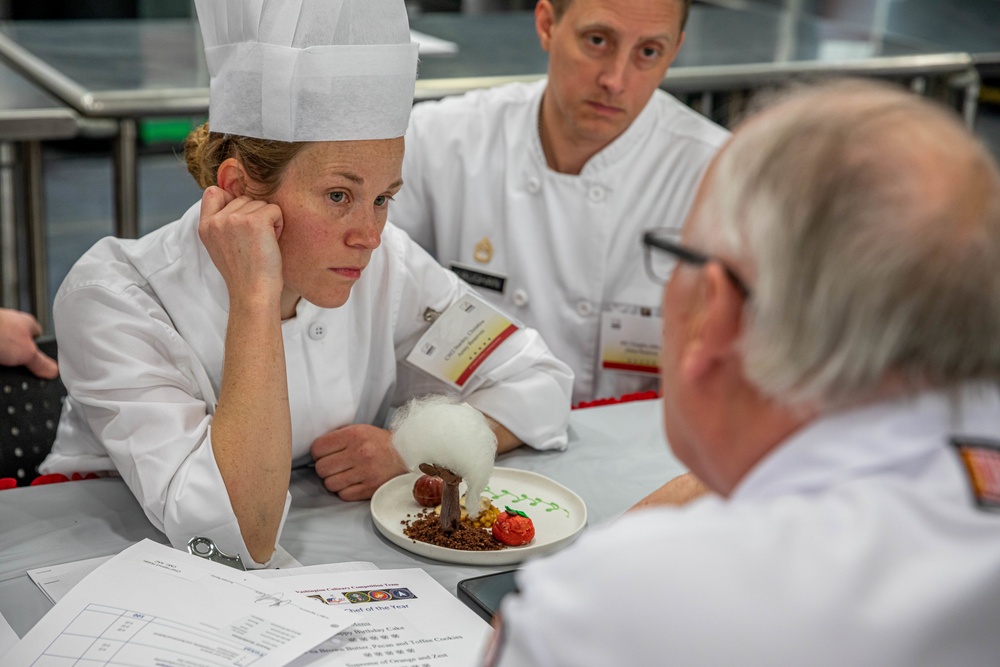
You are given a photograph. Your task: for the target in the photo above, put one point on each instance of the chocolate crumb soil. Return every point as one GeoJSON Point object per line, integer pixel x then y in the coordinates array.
{"type": "Point", "coordinates": [426, 527]}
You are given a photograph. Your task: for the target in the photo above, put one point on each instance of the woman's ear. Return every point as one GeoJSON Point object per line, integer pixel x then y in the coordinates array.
{"type": "Point", "coordinates": [231, 177]}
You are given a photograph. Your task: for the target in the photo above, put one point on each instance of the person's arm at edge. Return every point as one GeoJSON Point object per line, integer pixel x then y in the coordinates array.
{"type": "Point", "coordinates": [506, 441]}
{"type": "Point", "coordinates": [17, 344]}
{"type": "Point", "coordinates": [679, 491]}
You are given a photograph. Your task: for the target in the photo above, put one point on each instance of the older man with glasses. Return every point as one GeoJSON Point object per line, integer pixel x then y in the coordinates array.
{"type": "Point", "coordinates": [659, 265]}
{"type": "Point", "coordinates": [831, 372]}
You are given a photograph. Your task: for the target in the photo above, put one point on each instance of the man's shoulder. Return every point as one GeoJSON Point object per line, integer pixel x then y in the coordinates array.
{"type": "Point", "coordinates": [756, 574]}
{"type": "Point", "coordinates": [681, 121]}
{"type": "Point", "coordinates": [679, 553]}
{"type": "Point", "coordinates": [706, 528]}
{"type": "Point", "coordinates": [743, 536]}
{"type": "Point", "coordinates": [473, 106]}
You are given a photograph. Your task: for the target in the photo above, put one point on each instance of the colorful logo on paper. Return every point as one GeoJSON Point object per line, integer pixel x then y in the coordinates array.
{"type": "Point", "coordinates": [379, 595]}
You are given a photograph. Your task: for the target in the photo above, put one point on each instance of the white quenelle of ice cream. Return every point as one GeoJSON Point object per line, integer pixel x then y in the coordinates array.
{"type": "Point", "coordinates": [441, 431]}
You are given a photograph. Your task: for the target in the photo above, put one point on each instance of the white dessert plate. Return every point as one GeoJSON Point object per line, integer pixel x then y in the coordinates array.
{"type": "Point", "coordinates": [558, 514]}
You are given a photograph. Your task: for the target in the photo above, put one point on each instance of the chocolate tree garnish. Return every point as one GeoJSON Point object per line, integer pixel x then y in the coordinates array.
{"type": "Point", "coordinates": [451, 511]}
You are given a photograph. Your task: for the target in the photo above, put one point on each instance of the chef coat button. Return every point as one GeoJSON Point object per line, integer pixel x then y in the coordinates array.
{"type": "Point", "coordinates": [317, 330]}
{"type": "Point", "coordinates": [534, 185]}
{"type": "Point", "coordinates": [520, 297]}
{"type": "Point", "coordinates": [596, 194]}
{"type": "Point", "coordinates": [584, 309]}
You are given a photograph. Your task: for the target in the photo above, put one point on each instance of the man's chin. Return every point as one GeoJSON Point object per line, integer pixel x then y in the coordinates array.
{"type": "Point", "coordinates": [599, 129]}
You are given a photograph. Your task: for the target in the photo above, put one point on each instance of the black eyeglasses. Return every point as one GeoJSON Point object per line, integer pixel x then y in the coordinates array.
{"type": "Point", "coordinates": [659, 267]}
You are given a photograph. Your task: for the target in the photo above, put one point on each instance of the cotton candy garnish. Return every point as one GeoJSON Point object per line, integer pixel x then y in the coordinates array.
{"type": "Point", "coordinates": [443, 432]}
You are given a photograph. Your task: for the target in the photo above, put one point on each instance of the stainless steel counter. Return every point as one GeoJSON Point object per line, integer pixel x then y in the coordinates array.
{"type": "Point", "coordinates": [28, 115]}
{"type": "Point", "coordinates": [971, 26]}
{"type": "Point", "coordinates": [128, 70]}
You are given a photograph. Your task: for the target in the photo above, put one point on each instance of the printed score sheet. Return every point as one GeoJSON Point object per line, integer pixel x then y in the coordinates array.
{"type": "Point", "coordinates": [401, 618]}
{"type": "Point", "coordinates": [395, 617]}
{"type": "Point", "coordinates": [154, 606]}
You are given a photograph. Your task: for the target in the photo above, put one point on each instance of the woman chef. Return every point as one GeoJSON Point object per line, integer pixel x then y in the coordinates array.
{"type": "Point", "coordinates": [267, 323]}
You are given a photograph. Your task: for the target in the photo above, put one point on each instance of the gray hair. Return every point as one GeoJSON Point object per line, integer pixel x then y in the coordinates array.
{"type": "Point", "coordinates": [867, 221]}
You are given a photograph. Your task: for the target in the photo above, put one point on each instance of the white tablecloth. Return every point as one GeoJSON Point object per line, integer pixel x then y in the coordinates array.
{"type": "Point", "coordinates": [617, 455]}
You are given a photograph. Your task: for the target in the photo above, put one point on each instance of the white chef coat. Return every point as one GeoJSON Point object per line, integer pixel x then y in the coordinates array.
{"type": "Point", "coordinates": [141, 328]}
{"type": "Point", "coordinates": [569, 246]}
{"type": "Point", "coordinates": [855, 542]}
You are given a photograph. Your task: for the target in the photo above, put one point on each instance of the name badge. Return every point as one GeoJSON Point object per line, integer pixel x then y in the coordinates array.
{"type": "Point", "coordinates": [630, 343]}
{"type": "Point", "coordinates": [460, 340]}
{"type": "Point", "coordinates": [982, 464]}
{"type": "Point", "coordinates": [479, 278]}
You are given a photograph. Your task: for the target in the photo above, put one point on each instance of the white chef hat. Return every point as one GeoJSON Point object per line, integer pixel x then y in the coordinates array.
{"type": "Point", "coordinates": [309, 70]}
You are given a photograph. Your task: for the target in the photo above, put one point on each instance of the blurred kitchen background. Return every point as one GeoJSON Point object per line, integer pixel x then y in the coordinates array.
{"type": "Point", "coordinates": [77, 173]}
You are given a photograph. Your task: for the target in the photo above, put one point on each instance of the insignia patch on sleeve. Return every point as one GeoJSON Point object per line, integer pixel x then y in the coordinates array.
{"type": "Point", "coordinates": [981, 458]}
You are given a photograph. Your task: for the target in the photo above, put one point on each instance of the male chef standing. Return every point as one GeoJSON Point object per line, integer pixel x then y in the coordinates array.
{"type": "Point", "coordinates": [537, 193]}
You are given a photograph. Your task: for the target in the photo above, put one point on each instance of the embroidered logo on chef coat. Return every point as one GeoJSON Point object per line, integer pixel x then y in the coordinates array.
{"type": "Point", "coordinates": [480, 279]}
{"type": "Point", "coordinates": [982, 464]}
{"type": "Point", "coordinates": [483, 251]}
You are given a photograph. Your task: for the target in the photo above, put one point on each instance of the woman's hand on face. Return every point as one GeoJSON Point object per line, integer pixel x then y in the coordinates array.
{"type": "Point", "coordinates": [241, 236]}
{"type": "Point", "coordinates": [355, 460]}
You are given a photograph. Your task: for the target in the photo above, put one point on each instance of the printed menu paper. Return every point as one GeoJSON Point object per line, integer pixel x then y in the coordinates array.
{"type": "Point", "coordinates": [57, 580]}
{"type": "Point", "coordinates": [323, 568]}
{"type": "Point", "coordinates": [401, 617]}
{"type": "Point", "coordinates": [154, 606]}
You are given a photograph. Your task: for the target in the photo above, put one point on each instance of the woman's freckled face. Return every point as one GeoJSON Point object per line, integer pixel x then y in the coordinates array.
{"type": "Point", "coordinates": [334, 198]}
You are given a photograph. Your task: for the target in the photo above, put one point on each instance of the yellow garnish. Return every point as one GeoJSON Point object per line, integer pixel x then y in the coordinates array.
{"type": "Point", "coordinates": [487, 517]}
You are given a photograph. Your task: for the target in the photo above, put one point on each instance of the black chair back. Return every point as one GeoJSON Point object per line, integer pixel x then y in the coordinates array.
{"type": "Point", "coordinates": [29, 412]}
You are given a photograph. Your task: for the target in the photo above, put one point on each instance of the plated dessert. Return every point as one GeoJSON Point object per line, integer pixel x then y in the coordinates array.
{"type": "Point", "coordinates": [450, 443]}
{"type": "Point", "coordinates": [557, 514]}
{"type": "Point", "coordinates": [492, 530]}
{"type": "Point", "coordinates": [455, 506]}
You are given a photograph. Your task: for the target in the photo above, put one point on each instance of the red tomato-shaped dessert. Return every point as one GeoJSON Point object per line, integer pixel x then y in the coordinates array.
{"type": "Point", "coordinates": [427, 491]}
{"type": "Point", "coordinates": [513, 528]}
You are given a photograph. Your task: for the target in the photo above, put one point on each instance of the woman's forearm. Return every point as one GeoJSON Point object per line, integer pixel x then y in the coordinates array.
{"type": "Point", "coordinates": [251, 430]}
{"type": "Point", "coordinates": [506, 441]}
